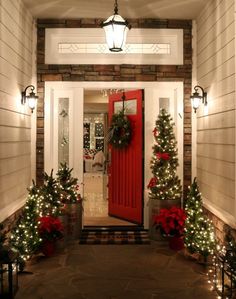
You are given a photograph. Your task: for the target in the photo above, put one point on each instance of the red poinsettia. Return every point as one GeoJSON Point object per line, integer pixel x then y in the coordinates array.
{"type": "Point", "coordinates": [163, 156]}
{"type": "Point", "coordinates": [152, 182]}
{"type": "Point", "coordinates": [50, 228]}
{"type": "Point", "coordinates": [171, 221]}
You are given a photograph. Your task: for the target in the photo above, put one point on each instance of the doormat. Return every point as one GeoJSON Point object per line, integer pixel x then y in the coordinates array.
{"type": "Point", "coordinates": [114, 238]}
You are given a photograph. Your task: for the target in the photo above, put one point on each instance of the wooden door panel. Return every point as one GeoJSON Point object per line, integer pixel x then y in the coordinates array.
{"type": "Point", "coordinates": [126, 166]}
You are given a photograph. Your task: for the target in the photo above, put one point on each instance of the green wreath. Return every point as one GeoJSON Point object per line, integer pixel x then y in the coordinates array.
{"type": "Point", "coordinates": [120, 130]}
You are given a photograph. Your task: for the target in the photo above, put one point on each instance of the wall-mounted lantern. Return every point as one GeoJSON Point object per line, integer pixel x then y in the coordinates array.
{"type": "Point", "coordinates": [196, 98]}
{"type": "Point", "coordinates": [31, 98]}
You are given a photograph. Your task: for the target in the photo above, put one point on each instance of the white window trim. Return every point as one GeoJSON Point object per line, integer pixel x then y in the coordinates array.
{"type": "Point", "coordinates": [55, 36]}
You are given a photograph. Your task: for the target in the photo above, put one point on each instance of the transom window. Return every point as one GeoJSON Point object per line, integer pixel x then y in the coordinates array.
{"type": "Point", "coordinates": [88, 46]}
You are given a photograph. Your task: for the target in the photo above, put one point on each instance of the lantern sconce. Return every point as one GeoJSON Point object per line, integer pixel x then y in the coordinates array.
{"type": "Point", "coordinates": [116, 29]}
{"type": "Point", "coordinates": [31, 98]}
{"type": "Point", "coordinates": [196, 98]}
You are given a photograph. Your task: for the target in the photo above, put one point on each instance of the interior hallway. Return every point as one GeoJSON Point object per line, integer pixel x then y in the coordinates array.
{"type": "Point", "coordinates": [115, 272]}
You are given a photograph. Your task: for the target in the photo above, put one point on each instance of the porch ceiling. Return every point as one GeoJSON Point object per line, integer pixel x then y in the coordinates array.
{"type": "Point", "coordinates": [163, 9]}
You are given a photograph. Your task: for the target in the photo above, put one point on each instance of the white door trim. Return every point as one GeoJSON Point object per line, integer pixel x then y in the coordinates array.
{"type": "Point", "coordinates": [151, 96]}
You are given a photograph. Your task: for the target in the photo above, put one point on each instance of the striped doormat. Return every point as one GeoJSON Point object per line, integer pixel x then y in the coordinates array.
{"type": "Point", "coordinates": [114, 237]}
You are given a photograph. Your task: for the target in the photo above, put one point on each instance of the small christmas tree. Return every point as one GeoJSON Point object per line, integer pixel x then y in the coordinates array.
{"type": "Point", "coordinates": [164, 184]}
{"type": "Point", "coordinates": [68, 185]}
{"type": "Point", "coordinates": [24, 237]}
{"type": "Point", "coordinates": [51, 195]}
{"type": "Point", "coordinates": [199, 231]}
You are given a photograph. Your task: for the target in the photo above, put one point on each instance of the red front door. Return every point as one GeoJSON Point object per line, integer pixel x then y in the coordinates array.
{"type": "Point", "coordinates": [126, 166]}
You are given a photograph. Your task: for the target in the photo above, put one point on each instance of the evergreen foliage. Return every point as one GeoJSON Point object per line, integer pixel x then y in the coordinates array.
{"type": "Point", "coordinates": [24, 237]}
{"type": "Point", "coordinates": [199, 231]}
{"type": "Point", "coordinates": [164, 184]}
{"type": "Point", "coordinates": [51, 195]}
{"type": "Point", "coordinates": [68, 185]}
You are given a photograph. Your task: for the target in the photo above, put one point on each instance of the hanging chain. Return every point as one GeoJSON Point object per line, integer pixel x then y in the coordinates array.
{"type": "Point", "coordinates": [123, 102]}
{"type": "Point", "coordinates": [116, 8]}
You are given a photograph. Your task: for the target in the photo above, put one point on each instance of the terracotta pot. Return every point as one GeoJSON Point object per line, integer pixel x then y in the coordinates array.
{"type": "Point", "coordinates": [48, 248]}
{"type": "Point", "coordinates": [176, 243]}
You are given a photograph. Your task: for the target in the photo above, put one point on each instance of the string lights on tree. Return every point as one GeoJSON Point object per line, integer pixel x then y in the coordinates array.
{"type": "Point", "coordinates": [199, 231]}
{"type": "Point", "coordinates": [164, 184]}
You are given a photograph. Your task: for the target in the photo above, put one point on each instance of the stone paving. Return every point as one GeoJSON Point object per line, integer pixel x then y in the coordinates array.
{"type": "Point", "coordinates": [115, 272]}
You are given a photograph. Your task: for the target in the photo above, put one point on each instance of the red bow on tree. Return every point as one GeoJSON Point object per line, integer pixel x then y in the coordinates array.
{"type": "Point", "coordinates": [152, 183]}
{"type": "Point", "coordinates": [155, 132]}
{"type": "Point", "coordinates": [163, 156]}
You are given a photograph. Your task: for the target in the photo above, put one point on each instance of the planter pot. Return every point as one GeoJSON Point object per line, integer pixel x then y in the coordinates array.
{"type": "Point", "coordinates": [62, 242]}
{"type": "Point", "coordinates": [74, 212]}
{"type": "Point", "coordinates": [155, 205]}
{"type": "Point", "coordinates": [48, 248]}
{"type": "Point", "coordinates": [176, 243]}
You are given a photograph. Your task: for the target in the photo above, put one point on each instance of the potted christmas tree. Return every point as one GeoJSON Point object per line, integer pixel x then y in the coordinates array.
{"type": "Point", "coordinates": [199, 234]}
{"type": "Point", "coordinates": [164, 187]}
{"type": "Point", "coordinates": [72, 201]}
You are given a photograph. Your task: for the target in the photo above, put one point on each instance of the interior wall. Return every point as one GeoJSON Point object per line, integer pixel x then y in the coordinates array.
{"type": "Point", "coordinates": [216, 121]}
{"type": "Point", "coordinates": [16, 52]}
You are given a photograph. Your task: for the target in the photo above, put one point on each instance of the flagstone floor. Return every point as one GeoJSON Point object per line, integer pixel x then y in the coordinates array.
{"type": "Point", "coordinates": [115, 272]}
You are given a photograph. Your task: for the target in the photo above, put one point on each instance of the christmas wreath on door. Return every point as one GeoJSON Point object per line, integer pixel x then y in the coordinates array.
{"type": "Point", "coordinates": [120, 130]}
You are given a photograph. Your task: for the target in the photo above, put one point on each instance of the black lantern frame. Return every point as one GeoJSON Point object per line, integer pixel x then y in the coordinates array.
{"type": "Point", "coordinates": [116, 39]}
{"type": "Point", "coordinates": [197, 98]}
{"type": "Point", "coordinates": [31, 98]}
{"type": "Point", "coordinates": [8, 275]}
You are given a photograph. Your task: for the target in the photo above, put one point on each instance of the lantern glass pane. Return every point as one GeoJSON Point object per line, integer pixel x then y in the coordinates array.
{"type": "Point", "coordinates": [32, 102]}
{"type": "Point", "coordinates": [116, 33]}
{"type": "Point", "coordinates": [195, 102]}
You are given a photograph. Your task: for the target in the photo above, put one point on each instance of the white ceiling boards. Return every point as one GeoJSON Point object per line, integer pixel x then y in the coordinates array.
{"type": "Point", "coordinates": [88, 46]}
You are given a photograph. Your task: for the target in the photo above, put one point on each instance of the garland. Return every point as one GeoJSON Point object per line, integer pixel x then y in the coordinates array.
{"type": "Point", "coordinates": [120, 130]}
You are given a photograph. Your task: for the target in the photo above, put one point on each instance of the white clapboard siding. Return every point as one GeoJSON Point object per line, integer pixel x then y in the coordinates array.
{"type": "Point", "coordinates": [209, 16]}
{"type": "Point", "coordinates": [220, 72]}
{"type": "Point", "coordinates": [219, 27]}
{"type": "Point", "coordinates": [216, 59]}
{"type": "Point", "coordinates": [14, 149]}
{"type": "Point", "coordinates": [14, 164]}
{"type": "Point", "coordinates": [214, 196]}
{"type": "Point", "coordinates": [220, 168]}
{"type": "Point", "coordinates": [220, 136]}
{"type": "Point", "coordinates": [217, 105]}
{"type": "Point", "coordinates": [12, 119]}
{"type": "Point", "coordinates": [216, 45]}
{"type": "Point", "coordinates": [216, 121]}
{"type": "Point", "coordinates": [16, 51]}
{"type": "Point", "coordinates": [13, 102]}
{"type": "Point", "coordinates": [217, 152]}
{"type": "Point", "coordinates": [20, 23]}
{"type": "Point", "coordinates": [221, 184]}
{"type": "Point", "coordinates": [12, 72]}
{"type": "Point", "coordinates": [9, 181]}
{"type": "Point", "coordinates": [11, 134]}
{"type": "Point", "coordinates": [14, 59]}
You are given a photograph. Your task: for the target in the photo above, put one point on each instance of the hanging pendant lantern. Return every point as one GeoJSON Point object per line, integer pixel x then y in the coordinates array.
{"type": "Point", "coordinates": [116, 29]}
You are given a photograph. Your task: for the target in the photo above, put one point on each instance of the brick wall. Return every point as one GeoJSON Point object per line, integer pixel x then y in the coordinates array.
{"type": "Point", "coordinates": [183, 73]}
{"type": "Point", "coordinates": [221, 228]}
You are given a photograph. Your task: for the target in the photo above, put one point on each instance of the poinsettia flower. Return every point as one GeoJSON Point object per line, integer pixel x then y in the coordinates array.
{"type": "Point", "coordinates": [171, 220]}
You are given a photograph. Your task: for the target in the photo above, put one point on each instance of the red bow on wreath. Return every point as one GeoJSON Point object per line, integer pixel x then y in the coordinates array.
{"type": "Point", "coordinates": [152, 183]}
{"type": "Point", "coordinates": [163, 156]}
